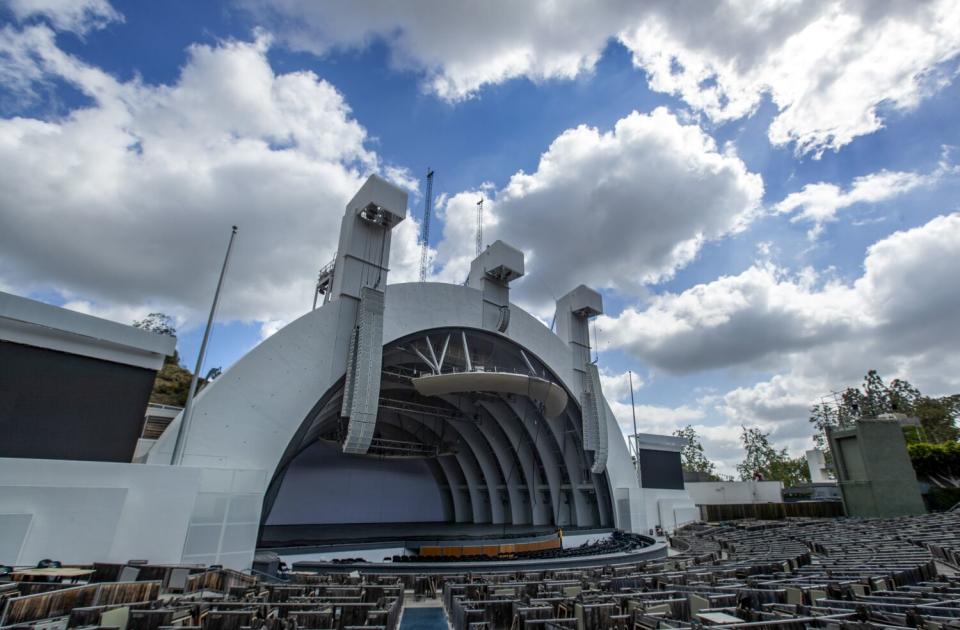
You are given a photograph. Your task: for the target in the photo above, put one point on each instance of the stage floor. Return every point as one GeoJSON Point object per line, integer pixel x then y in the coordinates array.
{"type": "Point", "coordinates": [655, 551]}
{"type": "Point", "coordinates": [287, 536]}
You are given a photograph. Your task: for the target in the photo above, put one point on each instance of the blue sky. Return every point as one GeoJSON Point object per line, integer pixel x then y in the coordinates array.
{"type": "Point", "coordinates": [788, 188]}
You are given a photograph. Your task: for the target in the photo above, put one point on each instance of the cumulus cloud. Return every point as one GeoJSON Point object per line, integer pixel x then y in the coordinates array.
{"type": "Point", "coordinates": [662, 419]}
{"type": "Point", "coordinates": [458, 48]}
{"type": "Point", "coordinates": [616, 209]}
{"type": "Point", "coordinates": [457, 246]}
{"type": "Point", "coordinates": [721, 442]}
{"type": "Point", "coordinates": [232, 142]}
{"type": "Point", "coordinates": [780, 404]}
{"type": "Point", "coordinates": [762, 311]}
{"type": "Point", "coordinates": [828, 66]}
{"type": "Point", "coordinates": [79, 16]}
{"type": "Point", "coordinates": [128, 201]}
{"type": "Point", "coordinates": [819, 203]}
{"type": "Point", "coordinates": [902, 303]}
{"type": "Point", "coordinates": [910, 286]}
{"type": "Point", "coordinates": [616, 385]}
{"type": "Point", "coordinates": [815, 335]}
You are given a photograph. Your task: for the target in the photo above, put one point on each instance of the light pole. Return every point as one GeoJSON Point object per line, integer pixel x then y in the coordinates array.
{"type": "Point", "coordinates": [633, 410]}
{"type": "Point", "coordinates": [178, 446]}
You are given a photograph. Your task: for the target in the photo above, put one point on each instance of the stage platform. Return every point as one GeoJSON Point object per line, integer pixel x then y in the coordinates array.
{"type": "Point", "coordinates": [315, 547]}
{"type": "Point", "coordinates": [656, 550]}
{"type": "Point", "coordinates": [409, 535]}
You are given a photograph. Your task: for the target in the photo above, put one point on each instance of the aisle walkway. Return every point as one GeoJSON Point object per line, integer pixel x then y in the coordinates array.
{"type": "Point", "coordinates": [423, 619]}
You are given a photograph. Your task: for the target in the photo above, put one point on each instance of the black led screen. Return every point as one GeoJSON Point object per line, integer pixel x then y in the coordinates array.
{"type": "Point", "coordinates": [661, 469]}
{"type": "Point", "coordinates": [55, 405]}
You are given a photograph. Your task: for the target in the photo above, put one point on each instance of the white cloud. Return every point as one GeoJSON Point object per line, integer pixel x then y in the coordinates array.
{"type": "Point", "coordinates": [734, 319]}
{"type": "Point", "coordinates": [616, 209]}
{"type": "Point", "coordinates": [79, 16]}
{"type": "Point", "coordinates": [911, 286]}
{"type": "Point", "coordinates": [672, 416]}
{"type": "Point", "coordinates": [616, 385]}
{"type": "Point", "coordinates": [818, 203]}
{"type": "Point", "coordinates": [457, 246]}
{"type": "Point", "coordinates": [903, 303]}
{"type": "Point", "coordinates": [402, 177]}
{"type": "Point", "coordinates": [458, 48]}
{"type": "Point", "coordinates": [827, 65]}
{"type": "Point", "coordinates": [128, 201]}
{"type": "Point", "coordinates": [721, 442]}
{"type": "Point", "coordinates": [898, 317]}
{"type": "Point", "coordinates": [271, 326]}
{"type": "Point", "coordinates": [232, 142]}
{"type": "Point", "coordinates": [779, 404]}
{"type": "Point", "coordinates": [654, 418]}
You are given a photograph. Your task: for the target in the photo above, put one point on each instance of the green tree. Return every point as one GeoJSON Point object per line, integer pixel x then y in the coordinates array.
{"type": "Point", "coordinates": [792, 471]}
{"type": "Point", "coordinates": [824, 416]}
{"type": "Point", "coordinates": [902, 396]}
{"type": "Point", "coordinates": [160, 323]}
{"type": "Point", "coordinates": [171, 385]}
{"type": "Point", "coordinates": [875, 399]}
{"type": "Point", "coordinates": [173, 380]}
{"type": "Point", "coordinates": [938, 416]}
{"type": "Point", "coordinates": [692, 455]}
{"type": "Point", "coordinates": [772, 464]}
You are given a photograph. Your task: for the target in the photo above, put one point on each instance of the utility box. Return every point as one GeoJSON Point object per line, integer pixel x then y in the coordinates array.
{"type": "Point", "coordinates": [874, 471]}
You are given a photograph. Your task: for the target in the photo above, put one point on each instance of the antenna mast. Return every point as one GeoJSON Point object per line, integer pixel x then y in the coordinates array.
{"type": "Point", "coordinates": [425, 228]}
{"type": "Point", "coordinates": [479, 225]}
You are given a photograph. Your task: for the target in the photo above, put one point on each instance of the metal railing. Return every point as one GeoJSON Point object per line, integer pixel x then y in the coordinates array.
{"type": "Point", "coordinates": [167, 407]}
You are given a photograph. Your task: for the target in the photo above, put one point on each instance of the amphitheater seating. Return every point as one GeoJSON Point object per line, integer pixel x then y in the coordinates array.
{"type": "Point", "coordinates": [795, 574]}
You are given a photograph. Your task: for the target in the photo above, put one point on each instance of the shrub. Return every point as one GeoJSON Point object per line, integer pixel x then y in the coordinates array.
{"type": "Point", "coordinates": [935, 459]}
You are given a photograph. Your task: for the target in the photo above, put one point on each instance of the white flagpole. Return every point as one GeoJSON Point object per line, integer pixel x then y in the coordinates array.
{"type": "Point", "coordinates": [177, 457]}
{"type": "Point", "coordinates": [633, 409]}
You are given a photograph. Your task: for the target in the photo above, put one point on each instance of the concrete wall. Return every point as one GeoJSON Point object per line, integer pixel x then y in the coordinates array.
{"type": "Point", "coordinates": [81, 512]}
{"type": "Point", "coordinates": [734, 492]}
{"type": "Point", "coordinates": [624, 487]}
{"type": "Point", "coordinates": [668, 509]}
{"type": "Point", "coordinates": [874, 470]}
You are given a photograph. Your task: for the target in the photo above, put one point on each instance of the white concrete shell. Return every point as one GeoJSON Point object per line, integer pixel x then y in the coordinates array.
{"type": "Point", "coordinates": [510, 463]}
{"type": "Point", "coordinates": [249, 416]}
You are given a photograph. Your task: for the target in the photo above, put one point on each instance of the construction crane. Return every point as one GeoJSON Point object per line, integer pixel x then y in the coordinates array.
{"type": "Point", "coordinates": [425, 228]}
{"type": "Point", "coordinates": [479, 225]}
